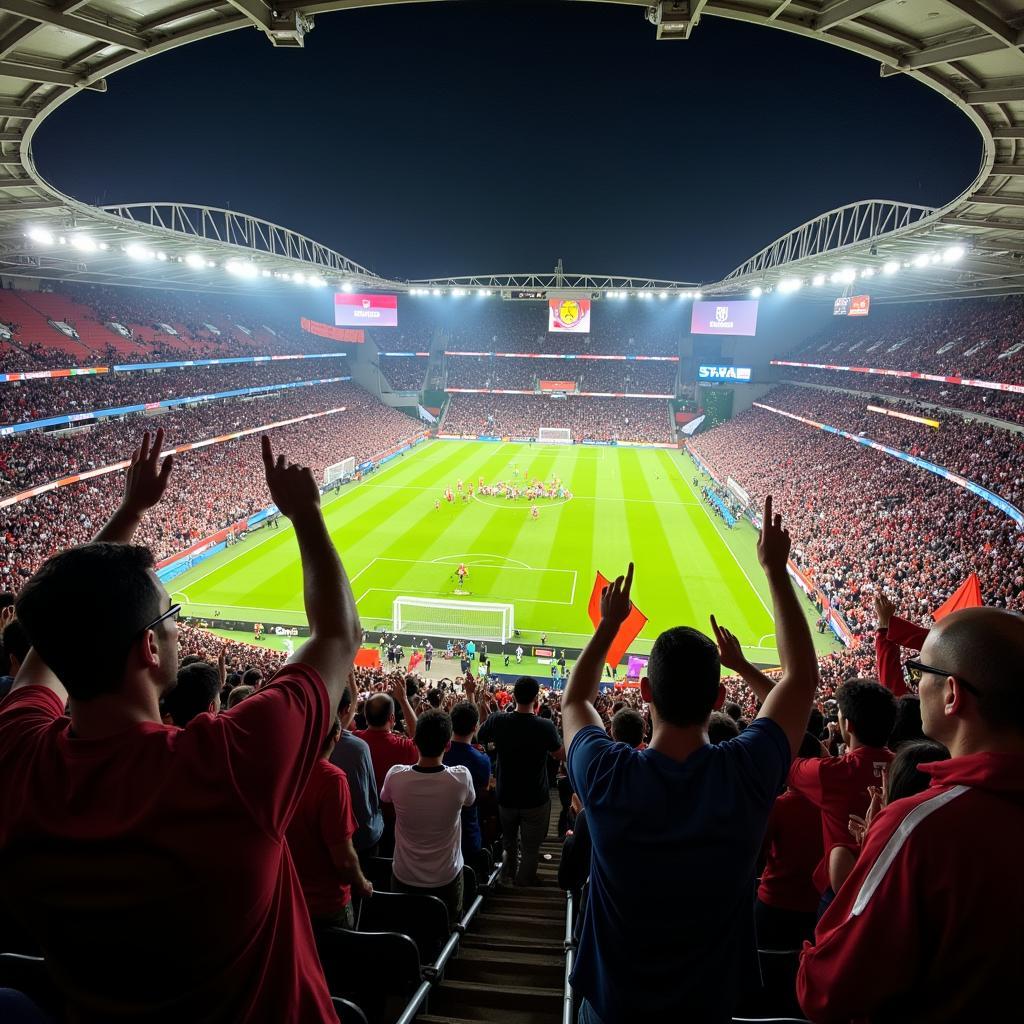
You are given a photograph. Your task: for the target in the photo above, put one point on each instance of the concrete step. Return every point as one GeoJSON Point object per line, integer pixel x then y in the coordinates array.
{"type": "Point", "coordinates": [510, 1004]}
{"type": "Point", "coordinates": [492, 967]}
{"type": "Point", "coordinates": [503, 925]}
{"type": "Point", "coordinates": [513, 944]}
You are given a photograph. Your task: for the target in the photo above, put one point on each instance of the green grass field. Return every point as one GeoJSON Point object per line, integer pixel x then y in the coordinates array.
{"type": "Point", "coordinates": [627, 504]}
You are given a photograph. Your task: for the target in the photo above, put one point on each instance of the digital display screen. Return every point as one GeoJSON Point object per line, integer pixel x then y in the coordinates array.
{"type": "Point", "coordinates": [356, 310]}
{"type": "Point", "coordinates": [570, 316]}
{"type": "Point", "coordinates": [852, 305]}
{"type": "Point", "coordinates": [740, 373]}
{"type": "Point", "coordinates": [724, 316]}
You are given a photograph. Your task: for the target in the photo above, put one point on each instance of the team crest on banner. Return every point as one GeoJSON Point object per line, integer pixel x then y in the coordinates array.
{"type": "Point", "coordinates": [569, 314]}
{"type": "Point", "coordinates": [721, 313]}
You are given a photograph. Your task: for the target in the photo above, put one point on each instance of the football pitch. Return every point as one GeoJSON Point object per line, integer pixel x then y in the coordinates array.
{"type": "Point", "coordinates": [625, 503]}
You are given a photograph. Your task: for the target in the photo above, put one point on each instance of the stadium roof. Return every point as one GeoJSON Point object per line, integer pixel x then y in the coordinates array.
{"type": "Point", "coordinates": [967, 51]}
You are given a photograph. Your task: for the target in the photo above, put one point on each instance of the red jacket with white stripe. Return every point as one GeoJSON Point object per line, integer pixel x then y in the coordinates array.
{"type": "Point", "coordinates": [929, 927]}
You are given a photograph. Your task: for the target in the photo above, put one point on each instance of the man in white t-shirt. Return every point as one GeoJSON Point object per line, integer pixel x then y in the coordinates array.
{"type": "Point", "coordinates": [428, 798]}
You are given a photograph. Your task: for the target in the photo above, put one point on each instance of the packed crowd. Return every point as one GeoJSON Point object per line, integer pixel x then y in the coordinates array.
{"type": "Point", "coordinates": [598, 419]}
{"type": "Point", "coordinates": [37, 399]}
{"type": "Point", "coordinates": [35, 528]}
{"type": "Point", "coordinates": [524, 374]}
{"type": "Point", "coordinates": [404, 373]}
{"type": "Point", "coordinates": [983, 453]}
{"type": "Point", "coordinates": [34, 457]}
{"type": "Point", "coordinates": [904, 529]}
{"type": "Point", "coordinates": [974, 338]}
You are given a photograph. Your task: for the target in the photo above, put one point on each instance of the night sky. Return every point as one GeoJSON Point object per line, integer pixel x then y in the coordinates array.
{"type": "Point", "coordinates": [437, 139]}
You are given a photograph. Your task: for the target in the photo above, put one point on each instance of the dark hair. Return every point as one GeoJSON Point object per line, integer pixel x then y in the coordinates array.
{"type": "Point", "coordinates": [6, 599]}
{"type": "Point", "coordinates": [16, 640]}
{"type": "Point", "coordinates": [816, 723]}
{"type": "Point", "coordinates": [684, 671]}
{"type": "Point", "coordinates": [252, 677]}
{"type": "Point", "coordinates": [189, 659]}
{"type": "Point", "coordinates": [346, 699]}
{"type": "Point", "coordinates": [465, 718]}
{"type": "Point", "coordinates": [733, 710]}
{"type": "Point", "coordinates": [869, 708]}
{"type": "Point", "coordinates": [721, 728]}
{"type": "Point", "coordinates": [434, 698]}
{"type": "Point", "coordinates": [628, 727]}
{"type": "Point", "coordinates": [433, 732]}
{"type": "Point", "coordinates": [332, 737]}
{"type": "Point", "coordinates": [907, 725]}
{"type": "Point", "coordinates": [84, 610]}
{"type": "Point", "coordinates": [238, 694]}
{"type": "Point", "coordinates": [905, 778]}
{"type": "Point", "coordinates": [378, 709]}
{"type": "Point", "coordinates": [197, 686]}
{"type": "Point", "coordinates": [526, 689]}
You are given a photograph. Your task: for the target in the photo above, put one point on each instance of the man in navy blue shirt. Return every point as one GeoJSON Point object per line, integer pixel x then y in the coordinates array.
{"type": "Point", "coordinates": [465, 719]}
{"type": "Point", "coordinates": [676, 828]}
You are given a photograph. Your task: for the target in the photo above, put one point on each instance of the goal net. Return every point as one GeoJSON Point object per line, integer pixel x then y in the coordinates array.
{"type": "Point", "coordinates": [464, 620]}
{"type": "Point", "coordinates": [343, 470]}
{"type": "Point", "coordinates": [554, 435]}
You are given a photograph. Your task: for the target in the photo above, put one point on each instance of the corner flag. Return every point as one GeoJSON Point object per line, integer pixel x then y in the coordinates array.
{"type": "Point", "coordinates": [628, 631]}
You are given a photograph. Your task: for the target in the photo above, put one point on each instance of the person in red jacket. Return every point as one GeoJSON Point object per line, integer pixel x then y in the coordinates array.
{"type": "Point", "coordinates": [927, 928]}
{"type": "Point", "coordinates": [892, 634]}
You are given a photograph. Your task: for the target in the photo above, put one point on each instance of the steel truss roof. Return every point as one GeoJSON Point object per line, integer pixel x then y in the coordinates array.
{"type": "Point", "coordinates": [968, 52]}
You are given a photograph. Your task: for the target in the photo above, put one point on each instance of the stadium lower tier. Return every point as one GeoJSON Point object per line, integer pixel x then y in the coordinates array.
{"type": "Point", "coordinates": [210, 487]}
{"type": "Point", "coordinates": [988, 455]}
{"type": "Point", "coordinates": [612, 375]}
{"type": "Point", "coordinates": [901, 528]}
{"type": "Point", "coordinates": [599, 419]}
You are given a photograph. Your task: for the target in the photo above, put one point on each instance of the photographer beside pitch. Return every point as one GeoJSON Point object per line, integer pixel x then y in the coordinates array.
{"type": "Point", "coordinates": [668, 932]}
{"type": "Point", "coordinates": [111, 837]}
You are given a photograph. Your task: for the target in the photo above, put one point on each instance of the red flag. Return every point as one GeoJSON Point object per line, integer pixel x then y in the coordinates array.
{"type": "Point", "coordinates": [967, 595]}
{"type": "Point", "coordinates": [628, 631]}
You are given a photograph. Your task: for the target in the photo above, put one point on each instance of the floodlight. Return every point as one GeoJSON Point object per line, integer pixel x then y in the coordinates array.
{"type": "Point", "coordinates": [162, 256]}
{"type": "Point", "coordinates": [921, 260]}
{"type": "Point", "coordinates": [867, 272]}
{"type": "Point", "coordinates": [953, 253]}
{"type": "Point", "coordinates": [347, 286]}
{"type": "Point", "coordinates": [83, 243]}
{"type": "Point", "coordinates": [436, 291]}
{"type": "Point", "coordinates": [241, 268]}
{"type": "Point", "coordinates": [316, 281]}
{"type": "Point", "coordinates": [40, 235]}
{"type": "Point", "coordinates": [663, 295]}
{"type": "Point", "coordinates": [756, 292]}
{"type": "Point", "coordinates": [298, 277]}
{"type": "Point", "coordinates": [891, 267]}
{"type": "Point", "coordinates": [790, 284]}
{"type": "Point", "coordinates": [697, 294]}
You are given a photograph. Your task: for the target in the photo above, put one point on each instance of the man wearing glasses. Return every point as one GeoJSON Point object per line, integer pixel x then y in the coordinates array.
{"type": "Point", "coordinates": [113, 837]}
{"type": "Point", "coordinates": [928, 925]}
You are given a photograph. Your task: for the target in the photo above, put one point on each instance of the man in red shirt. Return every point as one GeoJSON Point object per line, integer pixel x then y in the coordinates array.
{"type": "Point", "coordinates": [111, 837]}
{"type": "Point", "coordinates": [927, 927]}
{"type": "Point", "coordinates": [388, 748]}
{"type": "Point", "coordinates": [320, 839]}
{"type": "Point", "coordinates": [838, 786]}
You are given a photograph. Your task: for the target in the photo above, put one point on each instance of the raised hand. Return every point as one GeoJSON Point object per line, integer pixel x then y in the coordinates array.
{"type": "Point", "coordinates": [773, 545]}
{"type": "Point", "coordinates": [615, 602]}
{"type": "Point", "coordinates": [884, 610]}
{"type": "Point", "coordinates": [145, 481]}
{"type": "Point", "coordinates": [292, 487]}
{"type": "Point", "coordinates": [729, 650]}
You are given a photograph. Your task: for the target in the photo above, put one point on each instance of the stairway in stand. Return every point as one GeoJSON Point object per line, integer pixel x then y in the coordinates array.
{"type": "Point", "coordinates": [511, 963]}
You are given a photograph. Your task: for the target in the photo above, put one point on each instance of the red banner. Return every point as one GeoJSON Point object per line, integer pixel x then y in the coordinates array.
{"type": "Point", "coordinates": [557, 385]}
{"type": "Point", "coordinates": [628, 631]}
{"type": "Point", "coordinates": [349, 334]}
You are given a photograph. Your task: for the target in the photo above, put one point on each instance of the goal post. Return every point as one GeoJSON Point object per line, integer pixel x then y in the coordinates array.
{"type": "Point", "coordinates": [554, 435]}
{"type": "Point", "coordinates": [344, 470]}
{"type": "Point", "coordinates": [464, 620]}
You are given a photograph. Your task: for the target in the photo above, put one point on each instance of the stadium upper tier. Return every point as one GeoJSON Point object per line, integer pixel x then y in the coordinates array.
{"type": "Point", "coordinates": [210, 488]}
{"type": "Point", "coordinates": [902, 528]}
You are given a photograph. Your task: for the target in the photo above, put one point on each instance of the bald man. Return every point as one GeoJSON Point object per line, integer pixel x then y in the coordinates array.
{"type": "Point", "coordinates": [930, 924]}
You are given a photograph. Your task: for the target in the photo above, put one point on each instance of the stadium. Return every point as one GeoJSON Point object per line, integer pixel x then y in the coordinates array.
{"type": "Point", "coordinates": [327, 691]}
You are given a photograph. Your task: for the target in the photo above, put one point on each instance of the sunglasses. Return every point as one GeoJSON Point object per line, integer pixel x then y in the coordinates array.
{"type": "Point", "coordinates": [172, 613]}
{"type": "Point", "coordinates": [914, 670]}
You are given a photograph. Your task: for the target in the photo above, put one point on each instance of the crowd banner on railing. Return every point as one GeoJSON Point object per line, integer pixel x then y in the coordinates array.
{"type": "Point", "coordinates": [578, 394]}
{"type": "Point", "coordinates": [968, 382]}
{"type": "Point", "coordinates": [353, 335]}
{"type": "Point", "coordinates": [83, 371]}
{"type": "Point", "coordinates": [167, 403]}
{"type": "Point", "coordinates": [399, 355]}
{"type": "Point", "coordinates": [727, 515]}
{"type": "Point", "coordinates": [52, 485]}
{"type": "Point", "coordinates": [174, 565]}
{"type": "Point", "coordinates": [955, 478]}
{"type": "Point", "coordinates": [552, 355]}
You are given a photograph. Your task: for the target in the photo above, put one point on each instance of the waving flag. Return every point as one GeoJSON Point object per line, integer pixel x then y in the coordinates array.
{"type": "Point", "coordinates": [628, 631]}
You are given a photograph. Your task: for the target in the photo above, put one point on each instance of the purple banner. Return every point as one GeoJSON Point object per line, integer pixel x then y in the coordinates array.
{"type": "Point", "coordinates": [725, 316]}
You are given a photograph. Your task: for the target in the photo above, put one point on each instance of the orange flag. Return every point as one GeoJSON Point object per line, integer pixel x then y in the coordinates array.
{"type": "Point", "coordinates": [628, 631]}
{"type": "Point", "coordinates": [967, 595]}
